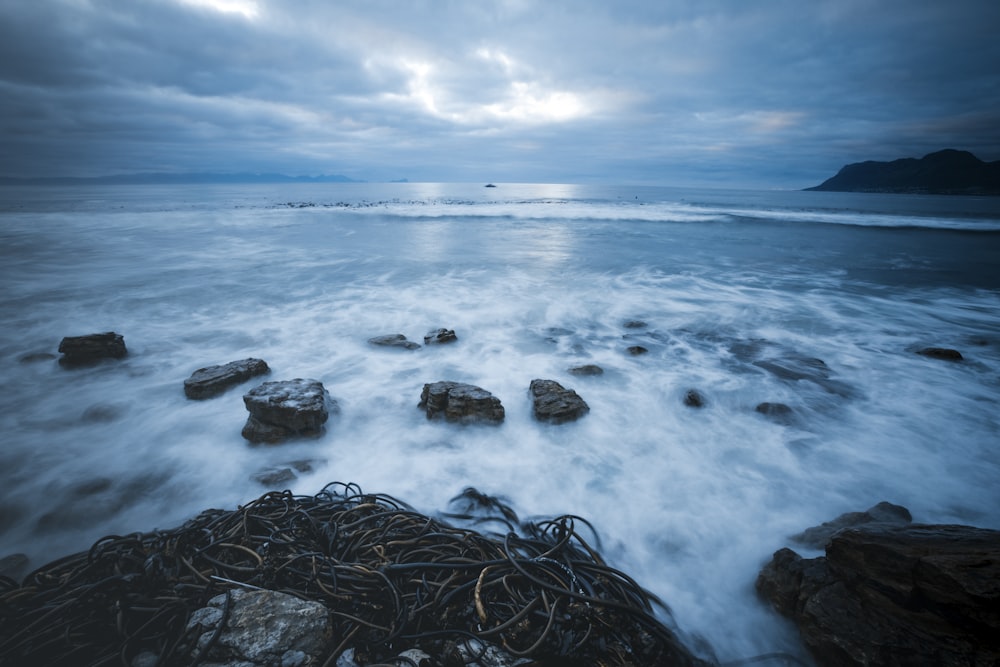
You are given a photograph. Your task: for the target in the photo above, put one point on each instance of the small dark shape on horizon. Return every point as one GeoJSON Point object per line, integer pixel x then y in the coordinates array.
{"type": "Point", "coordinates": [489, 185]}
{"type": "Point", "coordinates": [946, 172]}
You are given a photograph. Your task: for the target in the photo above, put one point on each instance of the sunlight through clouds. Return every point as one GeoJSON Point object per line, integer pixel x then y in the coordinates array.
{"type": "Point", "coordinates": [246, 8]}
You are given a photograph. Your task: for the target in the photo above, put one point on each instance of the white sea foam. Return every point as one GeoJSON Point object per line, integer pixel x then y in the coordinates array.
{"type": "Point", "coordinates": [691, 502]}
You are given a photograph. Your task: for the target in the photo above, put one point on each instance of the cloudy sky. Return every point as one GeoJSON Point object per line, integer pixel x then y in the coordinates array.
{"type": "Point", "coordinates": [771, 93]}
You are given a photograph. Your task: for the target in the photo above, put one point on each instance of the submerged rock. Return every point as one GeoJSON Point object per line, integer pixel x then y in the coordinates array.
{"type": "Point", "coordinates": [945, 353]}
{"type": "Point", "coordinates": [460, 402]}
{"type": "Point", "coordinates": [777, 411]}
{"type": "Point", "coordinates": [554, 403]}
{"type": "Point", "coordinates": [393, 340]}
{"type": "Point", "coordinates": [894, 595]}
{"type": "Point", "coordinates": [694, 398]}
{"type": "Point", "coordinates": [440, 336]}
{"type": "Point", "coordinates": [285, 409]}
{"type": "Point", "coordinates": [587, 369]}
{"type": "Point", "coordinates": [636, 350]}
{"type": "Point", "coordinates": [261, 628]}
{"type": "Point", "coordinates": [89, 349]}
{"type": "Point", "coordinates": [214, 380]}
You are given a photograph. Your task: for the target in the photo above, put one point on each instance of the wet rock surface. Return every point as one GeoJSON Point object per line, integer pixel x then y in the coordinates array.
{"type": "Point", "coordinates": [260, 628]}
{"type": "Point", "coordinates": [214, 380]}
{"type": "Point", "coordinates": [586, 370]}
{"type": "Point", "coordinates": [893, 594]}
{"type": "Point", "coordinates": [393, 340]}
{"type": "Point", "coordinates": [556, 404]}
{"type": "Point", "coordinates": [882, 515]}
{"type": "Point", "coordinates": [286, 409]}
{"type": "Point", "coordinates": [439, 336]}
{"type": "Point", "coordinates": [92, 348]}
{"type": "Point", "coordinates": [460, 402]}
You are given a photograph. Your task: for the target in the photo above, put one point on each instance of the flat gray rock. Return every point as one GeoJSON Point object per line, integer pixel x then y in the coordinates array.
{"type": "Point", "coordinates": [214, 380]}
{"type": "Point", "coordinates": [393, 340]}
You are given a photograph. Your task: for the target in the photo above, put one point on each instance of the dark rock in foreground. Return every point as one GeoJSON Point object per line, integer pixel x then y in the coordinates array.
{"type": "Point", "coordinates": [440, 336]}
{"type": "Point", "coordinates": [894, 595]}
{"type": "Point", "coordinates": [945, 353]}
{"type": "Point", "coordinates": [285, 409]}
{"type": "Point", "coordinates": [460, 402]}
{"type": "Point", "coordinates": [89, 349]}
{"type": "Point", "coordinates": [554, 403]}
{"type": "Point", "coordinates": [214, 380]}
{"type": "Point", "coordinates": [261, 627]}
{"type": "Point", "coordinates": [393, 340]}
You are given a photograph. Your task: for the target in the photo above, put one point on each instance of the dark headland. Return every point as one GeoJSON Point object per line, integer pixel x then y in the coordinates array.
{"type": "Point", "coordinates": [946, 172]}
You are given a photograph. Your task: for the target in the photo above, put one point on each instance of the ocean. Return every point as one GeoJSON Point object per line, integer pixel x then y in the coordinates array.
{"type": "Point", "coordinates": [815, 300]}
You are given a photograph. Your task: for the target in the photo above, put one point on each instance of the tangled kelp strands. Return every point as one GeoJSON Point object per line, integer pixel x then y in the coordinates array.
{"type": "Point", "coordinates": [391, 579]}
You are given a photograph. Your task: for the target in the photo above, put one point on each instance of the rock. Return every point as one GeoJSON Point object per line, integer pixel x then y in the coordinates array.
{"type": "Point", "coordinates": [103, 413]}
{"type": "Point", "coordinates": [883, 514]}
{"type": "Point", "coordinates": [440, 336]}
{"type": "Point", "coordinates": [459, 402]}
{"type": "Point", "coordinates": [776, 411]}
{"type": "Point", "coordinates": [213, 380]}
{"type": "Point", "coordinates": [14, 566]}
{"type": "Point", "coordinates": [289, 408]}
{"type": "Point", "coordinates": [92, 348]}
{"type": "Point", "coordinates": [276, 476]}
{"type": "Point", "coordinates": [262, 628]}
{"type": "Point", "coordinates": [587, 369]}
{"type": "Point", "coordinates": [394, 340]}
{"type": "Point", "coordinates": [796, 368]}
{"type": "Point", "coordinates": [894, 595]}
{"type": "Point", "coordinates": [945, 353]}
{"type": "Point", "coordinates": [554, 403]}
{"type": "Point", "coordinates": [693, 398]}
{"type": "Point", "coordinates": [634, 324]}
{"type": "Point", "coordinates": [636, 350]}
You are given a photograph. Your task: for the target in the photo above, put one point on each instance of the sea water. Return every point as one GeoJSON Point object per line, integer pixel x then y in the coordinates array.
{"type": "Point", "coordinates": [815, 300]}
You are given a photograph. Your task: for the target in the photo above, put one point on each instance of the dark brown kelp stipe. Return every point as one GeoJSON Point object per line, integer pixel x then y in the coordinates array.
{"type": "Point", "coordinates": [391, 578]}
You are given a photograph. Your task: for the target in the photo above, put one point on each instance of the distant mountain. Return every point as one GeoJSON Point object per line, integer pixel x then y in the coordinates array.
{"type": "Point", "coordinates": [947, 172]}
{"type": "Point", "coordinates": [172, 178]}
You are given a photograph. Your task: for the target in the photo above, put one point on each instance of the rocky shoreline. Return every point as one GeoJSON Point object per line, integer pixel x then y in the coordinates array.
{"type": "Point", "coordinates": [885, 592]}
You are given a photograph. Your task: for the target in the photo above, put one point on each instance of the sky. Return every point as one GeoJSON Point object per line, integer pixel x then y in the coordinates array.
{"type": "Point", "coordinates": [728, 93]}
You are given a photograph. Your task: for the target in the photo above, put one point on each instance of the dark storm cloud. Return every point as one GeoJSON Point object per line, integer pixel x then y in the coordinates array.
{"type": "Point", "coordinates": [771, 92]}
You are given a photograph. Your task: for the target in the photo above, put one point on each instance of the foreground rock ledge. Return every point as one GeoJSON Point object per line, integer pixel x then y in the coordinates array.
{"type": "Point", "coordinates": [894, 595]}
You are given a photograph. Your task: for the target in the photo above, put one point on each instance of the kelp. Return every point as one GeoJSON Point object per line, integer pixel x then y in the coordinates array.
{"type": "Point", "coordinates": [391, 578]}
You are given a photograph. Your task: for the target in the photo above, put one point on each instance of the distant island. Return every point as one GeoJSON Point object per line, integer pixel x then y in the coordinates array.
{"type": "Point", "coordinates": [155, 178]}
{"type": "Point", "coordinates": [946, 172]}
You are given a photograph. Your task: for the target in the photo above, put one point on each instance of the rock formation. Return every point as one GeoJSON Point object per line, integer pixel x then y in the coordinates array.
{"type": "Point", "coordinates": [261, 628]}
{"type": "Point", "coordinates": [393, 340]}
{"type": "Point", "coordinates": [89, 349]}
{"type": "Point", "coordinates": [459, 402]}
{"type": "Point", "coordinates": [944, 172]}
{"type": "Point", "coordinates": [440, 336]}
{"type": "Point", "coordinates": [554, 403]}
{"type": "Point", "coordinates": [214, 380]}
{"type": "Point", "coordinates": [893, 593]}
{"type": "Point", "coordinates": [285, 409]}
{"type": "Point", "coordinates": [945, 353]}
